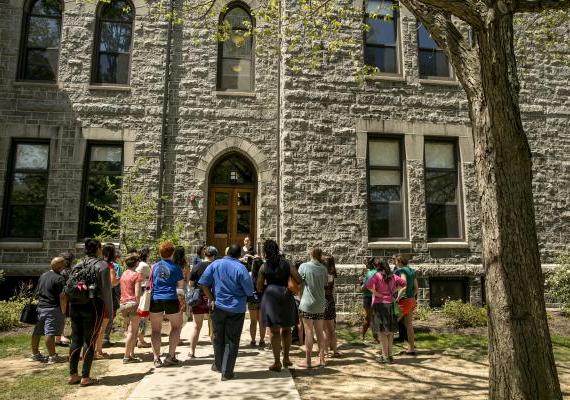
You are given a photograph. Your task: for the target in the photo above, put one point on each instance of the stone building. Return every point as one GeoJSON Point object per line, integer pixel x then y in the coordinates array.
{"type": "Point", "coordinates": [241, 145]}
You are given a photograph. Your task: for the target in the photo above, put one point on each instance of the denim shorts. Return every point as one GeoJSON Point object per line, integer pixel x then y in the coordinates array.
{"type": "Point", "coordinates": [51, 322]}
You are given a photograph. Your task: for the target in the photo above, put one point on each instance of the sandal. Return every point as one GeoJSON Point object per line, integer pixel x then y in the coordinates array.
{"type": "Point", "coordinates": [276, 368]}
{"type": "Point", "coordinates": [74, 380]}
{"type": "Point", "coordinates": [90, 382]}
{"type": "Point", "coordinates": [304, 365]}
{"type": "Point", "coordinates": [102, 356]}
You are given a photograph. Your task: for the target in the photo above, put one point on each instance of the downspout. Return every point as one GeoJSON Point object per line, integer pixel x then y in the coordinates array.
{"type": "Point", "coordinates": [279, 180]}
{"type": "Point", "coordinates": [164, 128]}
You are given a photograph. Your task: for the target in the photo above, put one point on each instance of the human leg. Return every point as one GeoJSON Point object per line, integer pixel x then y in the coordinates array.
{"type": "Point", "coordinates": [233, 329]}
{"type": "Point", "coordinates": [130, 342]}
{"type": "Point", "coordinates": [319, 331]}
{"type": "Point", "coordinates": [286, 342]}
{"type": "Point", "coordinates": [385, 344]}
{"type": "Point", "coordinates": [410, 331]}
{"type": "Point", "coordinates": [253, 321]}
{"type": "Point", "coordinates": [309, 327]}
{"type": "Point", "coordinates": [142, 329]}
{"type": "Point", "coordinates": [276, 348]}
{"type": "Point", "coordinates": [366, 324]}
{"type": "Point", "coordinates": [77, 341]}
{"type": "Point", "coordinates": [156, 329]}
{"type": "Point", "coordinates": [175, 328]}
{"type": "Point", "coordinates": [92, 324]}
{"type": "Point", "coordinates": [330, 330]}
{"type": "Point", "coordinates": [198, 321]}
{"type": "Point", "coordinates": [219, 336]}
{"type": "Point", "coordinates": [100, 337]}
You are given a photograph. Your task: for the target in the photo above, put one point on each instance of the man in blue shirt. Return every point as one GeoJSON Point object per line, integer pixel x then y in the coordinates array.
{"type": "Point", "coordinates": [231, 285]}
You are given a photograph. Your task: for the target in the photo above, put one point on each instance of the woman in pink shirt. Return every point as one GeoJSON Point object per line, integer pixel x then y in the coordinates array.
{"type": "Point", "coordinates": [386, 289]}
{"type": "Point", "coordinates": [130, 297]}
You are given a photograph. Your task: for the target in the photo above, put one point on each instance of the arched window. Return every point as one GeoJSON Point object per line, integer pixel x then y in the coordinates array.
{"type": "Point", "coordinates": [40, 44]}
{"type": "Point", "coordinates": [235, 55]}
{"type": "Point", "coordinates": [113, 43]}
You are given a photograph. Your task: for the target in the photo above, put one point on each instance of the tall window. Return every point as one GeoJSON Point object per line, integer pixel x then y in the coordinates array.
{"type": "Point", "coordinates": [103, 169]}
{"type": "Point", "coordinates": [235, 55]}
{"type": "Point", "coordinates": [40, 44]}
{"type": "Point", "coordinates": [381, 47]}
{"type": "Point", "coordinates": [433, 61]}
{"type": "Point", "coordinates": [442, 190]}
{"type": "Point", "coordinates": [26, 190]}
{"type": "Point", "coordinates": [113, 42]}
{"type": "Point", "coordinates": [385, 195]}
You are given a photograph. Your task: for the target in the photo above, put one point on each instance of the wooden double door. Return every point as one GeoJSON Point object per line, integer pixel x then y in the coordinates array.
{"type": "Point", "coordinates": [231, 216]}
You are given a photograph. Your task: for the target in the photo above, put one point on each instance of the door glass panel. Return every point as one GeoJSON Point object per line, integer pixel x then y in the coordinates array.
{"type": "Point", "coordinates": [243, 221]}
{"type": "Point", "coordinates": [221, 221]}
{"type": "Point", "coordinates": [244, 199]}
{"type": "Point", "coordinates": [222, 198]}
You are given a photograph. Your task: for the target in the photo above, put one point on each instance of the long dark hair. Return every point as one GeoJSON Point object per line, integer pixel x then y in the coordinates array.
{"type": "Point", "coordinates": [179, 257]}
{"type": "Point", "coordinates": [143, 254]}
{"type": "Point", "coordinates": [271, 251]}
{"type": "Point", "coordinates": [384, 268]}
{"type": "Point", "coordinates": [330, 264]}
{"type": "Point", "coordinates": [317, 254]}
{"type": "Point", "coordinates": [109, 252]}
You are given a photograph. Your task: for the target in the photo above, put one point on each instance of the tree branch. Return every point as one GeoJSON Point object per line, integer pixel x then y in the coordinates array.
{"type": "Point", "coordinates": [463, 57]}
{"type": "Point", "coordinates": [471, 11]}
{"type": "Point", "coordinates": [541, 5]}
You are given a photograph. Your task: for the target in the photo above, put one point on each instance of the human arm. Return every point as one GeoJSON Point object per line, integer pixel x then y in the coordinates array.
{"type": "Point", "coordinates": [402, 284]}
{"type": "Point", "coordinates": [114, 278]}
{"type": "Point", "coordinates": [63, 302]}
{"type": "Point", "coordinates": [416, 289]}
{"type": "Point", "coordinates": [294, 274]}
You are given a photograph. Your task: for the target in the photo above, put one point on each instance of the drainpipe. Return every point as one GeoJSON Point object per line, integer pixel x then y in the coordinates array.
{"type": "Point", "coordinates": [279, 94]}
{"type": "Point", "coordinates": [164, 128]}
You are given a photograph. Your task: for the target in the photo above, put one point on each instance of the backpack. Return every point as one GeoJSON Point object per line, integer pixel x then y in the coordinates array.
{"type": "Point", "coordinates": [81, 285]}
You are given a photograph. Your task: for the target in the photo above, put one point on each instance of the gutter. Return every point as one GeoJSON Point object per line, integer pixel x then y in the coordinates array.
{"type": "Point", "coordinates": [164, 127]}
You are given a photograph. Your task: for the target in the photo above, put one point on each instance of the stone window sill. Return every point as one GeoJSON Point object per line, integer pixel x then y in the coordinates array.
{"type": "Point", "coordinates": [36, 84]}
{"type": "Point", "coordinates": [442, 82]}
{"type": "Point", "coordinates": [81, 245]}
{"type": "Point", "coordinates": [448, 245]}
{"type": "Point", "coordinates": [109, 88]}
{"type": "Point", "coordinates": [234, 94]}
{"type": "Point", "coordinates": [21, 245]}
{"type": "Point", "coordinates": [390, 78]}
{"type": "Point", "coordinates": [390, 245]}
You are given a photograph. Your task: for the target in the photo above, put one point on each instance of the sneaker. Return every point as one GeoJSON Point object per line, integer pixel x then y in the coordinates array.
{"type": "Point", "coordinates": [131, 360]}
{"type": "Point", "coordinates": [252, 343]}
{"type": "Point", "coordinates": [261, 344]}
{"type": "Point", "coordinates": [391, 360]}
{"type": "Point", "coordinates": [170, 361]}
{"type": "Point", "coordinates": [214, 368]}
{"type": "Point", "coordinates": [381, 359]}
{"type": "Point", "coordinates": [158, 363]}
{"type": "Point", "coordinates": [38, 357]}
{"type": "Point", "coordinates": [56, 359]}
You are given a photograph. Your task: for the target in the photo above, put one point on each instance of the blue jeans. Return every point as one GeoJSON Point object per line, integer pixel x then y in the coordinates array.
{"type": "Point", "coordinates": [227, 333]}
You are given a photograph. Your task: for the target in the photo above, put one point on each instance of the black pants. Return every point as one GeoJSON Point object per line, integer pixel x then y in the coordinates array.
{"type": "Point", "coordinates": [86, 321]}
{"type": "Point", "coordinates": [227, 332]}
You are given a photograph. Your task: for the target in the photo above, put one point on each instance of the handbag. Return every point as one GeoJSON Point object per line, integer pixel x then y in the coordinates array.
{"type": "Point", "coordinates": [193, 296]}
{"type": "Point", "coordinates": [143, 309]}
{"type": "Point", "coordinates": [29, 314]}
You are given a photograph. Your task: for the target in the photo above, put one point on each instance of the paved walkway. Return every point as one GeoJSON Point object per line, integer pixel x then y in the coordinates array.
{"type": "Point", "coordinates": [195, 380]}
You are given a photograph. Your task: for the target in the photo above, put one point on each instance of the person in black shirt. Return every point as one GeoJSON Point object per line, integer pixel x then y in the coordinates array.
{"type": "Point", "coordinates": [51, 307]}
{"type": "Point", "coordinates": [202, 308]}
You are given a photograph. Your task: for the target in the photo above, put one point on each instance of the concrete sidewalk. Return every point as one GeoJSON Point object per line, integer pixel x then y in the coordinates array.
{"type": "Point", "coordinates": [195, 380]}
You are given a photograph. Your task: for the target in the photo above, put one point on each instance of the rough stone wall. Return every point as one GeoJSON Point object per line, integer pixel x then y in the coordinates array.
{"type": "Point", "coordinates": [71, 112]}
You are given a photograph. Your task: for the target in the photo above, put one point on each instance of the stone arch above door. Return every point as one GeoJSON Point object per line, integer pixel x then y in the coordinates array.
{"type": "Point", "coordinates": [228, 145]}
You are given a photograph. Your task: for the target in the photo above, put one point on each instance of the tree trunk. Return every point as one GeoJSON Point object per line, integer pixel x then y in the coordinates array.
{"type": "Point", "coordinates": [520, 351]}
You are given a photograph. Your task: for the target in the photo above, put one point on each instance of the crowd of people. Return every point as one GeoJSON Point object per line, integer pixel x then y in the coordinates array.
{"type": "Point", "coordinates": [289, 302]}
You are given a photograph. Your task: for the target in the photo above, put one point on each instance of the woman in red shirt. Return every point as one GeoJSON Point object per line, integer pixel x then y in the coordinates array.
{"type": "Point", "coordinates": [386, 289]}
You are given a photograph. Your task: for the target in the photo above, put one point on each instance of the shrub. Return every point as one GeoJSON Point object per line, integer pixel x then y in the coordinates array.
{"type": "Point", "coordinates": [462, 315]}
{"type": "Point", "coordinates": [558, 282]}
{"type": "Point", "coordinates": [356, 314]}
{"type": "Point", "coordinates": [10, 314]}
{"type": "Point", "coordinates": [422, 312]}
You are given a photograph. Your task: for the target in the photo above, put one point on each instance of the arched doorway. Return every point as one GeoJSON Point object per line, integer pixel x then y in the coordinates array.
{"type": "Point", "coordinates": [231, 201]}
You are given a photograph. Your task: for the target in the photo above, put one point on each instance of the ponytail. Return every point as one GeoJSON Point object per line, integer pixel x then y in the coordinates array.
{"type": "Point", "coordinates": [317, 254]}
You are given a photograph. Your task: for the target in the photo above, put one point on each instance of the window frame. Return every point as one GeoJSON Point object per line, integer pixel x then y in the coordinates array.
{"type": "Point", "coordinates": [403, 185]}
{"type": "Point", "coordinates": [397, 46]}
{"type": "Point", "coordinates": [459, 202]}
{"type": "Point", "coordinates": [97, 44]}
{"type": "Point", "coordinates": [84, 182]}
{"type": "Point", "coordinates": [438, 49]}
{"type": "Point", "coordinates": [9, 186]}
{"type": "Point", "coordinates": [220, 55]}
{"type": "Point", "coordinates": [24, 35]}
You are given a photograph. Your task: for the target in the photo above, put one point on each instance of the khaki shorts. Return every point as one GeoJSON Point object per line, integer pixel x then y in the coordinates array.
{"type": "Point", "coordinates": [128, 310]}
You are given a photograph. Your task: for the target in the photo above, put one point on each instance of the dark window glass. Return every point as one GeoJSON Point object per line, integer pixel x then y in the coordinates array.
{"type": "Point", "coordinates": [444, 289]}
{"type": "Point", "coordinates": [433, 61]}
{"type": "Point", "coordinates": [243, 221]}
{"type": "Point", "coordinates": [235, 55]}
{"type": "Point", "coordinates": [114, 35]}
{"type": "Point", "coordinates": [26, 191]}
{"type": "Point", "coordinates": [381, 43]}
{"type": "Point", "coordinates": [442, 190]}
{"type": "Point", "coordinates": [385, 197]}
{"type": "Point", "coordinates": [233, 170]}
{"type": "Point", "coordinates": [221, 219]}
{"type": "Point", "coordinates": [40, 47]}
{"type": "Point", "coordinates": [103, 169]}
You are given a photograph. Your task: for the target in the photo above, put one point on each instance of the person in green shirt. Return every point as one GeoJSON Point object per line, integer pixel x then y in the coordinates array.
{"type": "Point", "coordinates": [314, 278]}
{"type": "Point", "coordinates": [371, 266]}
{"type": "Point", "coordinates": [407, 302]}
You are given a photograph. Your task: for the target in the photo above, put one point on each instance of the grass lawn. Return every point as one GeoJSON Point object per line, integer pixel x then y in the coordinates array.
{"type": "Point", "coordinates": [468, 347]}
{"type": "Point", "coordinates": [16, 346]}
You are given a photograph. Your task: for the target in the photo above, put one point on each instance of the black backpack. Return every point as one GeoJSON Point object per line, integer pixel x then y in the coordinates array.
{"type": "Point", "coordinates": [81, 285]}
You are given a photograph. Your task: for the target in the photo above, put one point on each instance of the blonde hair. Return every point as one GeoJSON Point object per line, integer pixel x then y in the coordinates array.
{"type": "Point", "coordinates": [402, 259]}
{"type": "Point", "coordinates": [58, 263]}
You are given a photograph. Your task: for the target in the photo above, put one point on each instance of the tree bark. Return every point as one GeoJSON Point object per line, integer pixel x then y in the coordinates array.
{"type": "Point", "coordinates": [520, 350]}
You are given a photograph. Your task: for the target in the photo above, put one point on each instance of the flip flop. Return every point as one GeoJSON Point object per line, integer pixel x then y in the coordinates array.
{"type": "Point", "coordinates": [304, 365]}
{"type": "Point", "coordinates": [92, 382]}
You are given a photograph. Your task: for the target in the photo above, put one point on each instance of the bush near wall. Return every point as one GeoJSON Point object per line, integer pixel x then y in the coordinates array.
{"type": "Point", "coordinates": [10, 314]}
{"type": "Point", "coordinates": [462, 315]}
{"type": "Point", "coordinates": [558, 283]}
